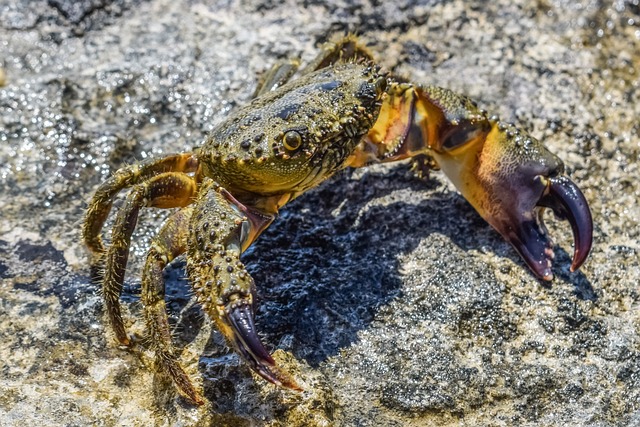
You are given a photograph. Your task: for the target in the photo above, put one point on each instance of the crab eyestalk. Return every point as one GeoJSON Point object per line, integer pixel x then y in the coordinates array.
{"type": "Point", "coordinates": [508, 176]}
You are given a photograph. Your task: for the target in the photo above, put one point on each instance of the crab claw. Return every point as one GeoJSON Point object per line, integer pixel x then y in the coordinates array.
{"type": "Point", "coordinates": [509, 177]}
{"type": "Point", "coordinates": [567, 202]}
{"type": "Point", "coordinates": [240, 318]}
{"type": "Point", "coordinates": [526, 230]}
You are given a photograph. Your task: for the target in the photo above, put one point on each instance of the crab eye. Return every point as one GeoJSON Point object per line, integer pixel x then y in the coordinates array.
{"type": "Point", "coordinates": [292, 140]}
{"type": "Point", "coordinates": [381, 86]}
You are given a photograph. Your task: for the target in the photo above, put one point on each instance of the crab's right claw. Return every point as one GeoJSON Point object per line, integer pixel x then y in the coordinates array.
{"type": "Point", "coordinates": [507, 175]}
{"type": "Point", "coordinates": [510, 178]}
{"type": "Point", "coordinates": [240, 326]}
{"type": "Point", "coordinates": [520, 221]}
{"type": "Point", "coordinates": [567, 202]}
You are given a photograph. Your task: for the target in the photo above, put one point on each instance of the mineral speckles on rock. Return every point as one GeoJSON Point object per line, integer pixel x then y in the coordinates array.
{"type": "Point", "coordinates": [402, 305]}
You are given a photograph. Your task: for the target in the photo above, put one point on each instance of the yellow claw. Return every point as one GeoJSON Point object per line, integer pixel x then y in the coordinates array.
{"type": "Point", "coordinates": [508, 176]}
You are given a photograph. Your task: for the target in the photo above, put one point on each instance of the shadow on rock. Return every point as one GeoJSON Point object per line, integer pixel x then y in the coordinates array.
{"type": "Point", "coordinates": [333, 258]}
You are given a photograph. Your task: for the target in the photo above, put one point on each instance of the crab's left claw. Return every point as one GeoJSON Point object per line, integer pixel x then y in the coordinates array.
{"type": "Point", "coordinates": [510, 177]}
{"type": "Point", "coordinates": [239, 327]}
{"type": "Point", "coordinates": [507, 175]}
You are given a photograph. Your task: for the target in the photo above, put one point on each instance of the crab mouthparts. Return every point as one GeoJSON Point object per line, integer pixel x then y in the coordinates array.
{"type": "Point", "coordinates": [530, 237]}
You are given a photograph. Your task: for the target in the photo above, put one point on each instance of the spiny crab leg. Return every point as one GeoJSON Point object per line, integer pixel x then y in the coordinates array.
{"type": "Point", "coordinates": [508, 176]}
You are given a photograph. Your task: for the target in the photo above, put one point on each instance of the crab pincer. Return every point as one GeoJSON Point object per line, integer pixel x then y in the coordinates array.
{"type": "Point", "coordinates": [526, 231]}
{"type": "Point", "coordinates": [240, 318]}
{"type": "Point", "coordinates": [508, 176]}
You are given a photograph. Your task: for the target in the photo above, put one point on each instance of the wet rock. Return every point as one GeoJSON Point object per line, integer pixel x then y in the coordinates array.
{"type": "Point", "coordinates": [386, 295]}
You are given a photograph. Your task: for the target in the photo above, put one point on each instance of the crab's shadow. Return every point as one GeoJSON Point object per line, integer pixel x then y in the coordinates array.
{"type": "Point", "coordinates": [334, 257]}
{"type": "Point", "coordinates": [327, 264]}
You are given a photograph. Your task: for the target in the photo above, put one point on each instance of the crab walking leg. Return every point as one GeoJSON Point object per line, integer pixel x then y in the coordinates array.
{"type": "Point", "coordinates": [342, 49]}
{"type": "Point", "coordinates": [167, 190]}
{"type": "Point", "coordinates": [221, 228]}
{"type": "Point", "coordinates": [166, 246]}
{"type": "Point", "coordinates": [508, 176]}
{"type": "Point", "coordinates": [101, 203]}
{"type": "Point", "coordinates": [279, 74]}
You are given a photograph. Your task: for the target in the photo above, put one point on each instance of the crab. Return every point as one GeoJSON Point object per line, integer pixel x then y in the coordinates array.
{"type": "Point", "coordinates": [341, 111]}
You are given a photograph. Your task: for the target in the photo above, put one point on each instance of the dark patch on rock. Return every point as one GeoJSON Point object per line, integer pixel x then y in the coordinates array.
{"type": "Point", "coordinates": [3, 270]}
{"type": "Point", "coordinates": [30, 252]}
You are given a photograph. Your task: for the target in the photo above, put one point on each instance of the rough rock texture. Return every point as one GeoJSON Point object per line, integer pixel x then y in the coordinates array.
{"type": "Point", "coordinates": [401, 306]}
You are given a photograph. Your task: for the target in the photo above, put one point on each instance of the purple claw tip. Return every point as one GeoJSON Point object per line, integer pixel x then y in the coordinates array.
{"type": "Point", "coordinates": [569, 202]}
{"type": "Point", "coordinates": [241, 319]}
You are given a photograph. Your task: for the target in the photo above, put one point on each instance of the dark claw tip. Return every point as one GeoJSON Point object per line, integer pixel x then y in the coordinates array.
{"type": "Point", "coordinates": [528, 234]}
{"type": "Point", "coordinates": [241, 320]}
{"type": "Point", "coordinates": [567, 201]}
{"type": "Point", "coordinates": [246, 340]}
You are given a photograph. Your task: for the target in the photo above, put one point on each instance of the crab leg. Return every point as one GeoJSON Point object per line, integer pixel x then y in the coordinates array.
{"type": "Point", "coordinates": [166, 190]}
{"type": "Point", "coordinates": [101, 203]}
{"type": "Point", "coordinates": [508, 176]}
{"type": "Point", "coordinates": [278, 75]}
{"type": "Point", "coordinates": [341, 49]}
{"type": "Point", "coordinates": [170, 242]}
{"type": "Point", "coordinates": [221, 280]}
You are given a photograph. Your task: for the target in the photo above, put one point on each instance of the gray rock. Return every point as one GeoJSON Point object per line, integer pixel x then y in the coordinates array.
{"type": "Point", "coordinates": [387, 296]}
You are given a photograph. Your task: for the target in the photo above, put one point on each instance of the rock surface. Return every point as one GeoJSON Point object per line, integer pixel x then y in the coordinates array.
{"type": "Point", "coordinates": [400, 305]}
